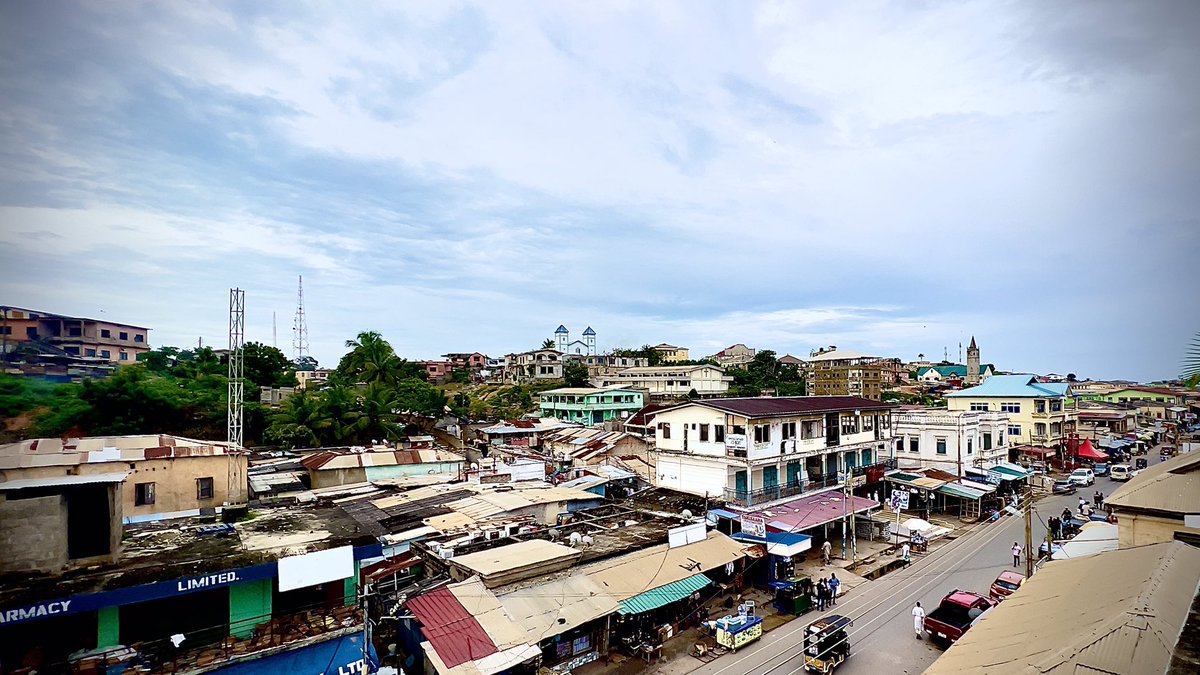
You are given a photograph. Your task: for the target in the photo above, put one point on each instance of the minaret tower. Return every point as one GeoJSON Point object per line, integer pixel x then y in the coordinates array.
{"type": "Point", "coordinates": [972, 363]}
{"type": "Point", "coordinates": [561, 337]}
{"type": "Point", "coordinates": [589, 339]}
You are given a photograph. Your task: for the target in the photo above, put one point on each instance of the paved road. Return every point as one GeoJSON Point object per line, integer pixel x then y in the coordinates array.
{"type": "Point", "coordinates": [882, 638]}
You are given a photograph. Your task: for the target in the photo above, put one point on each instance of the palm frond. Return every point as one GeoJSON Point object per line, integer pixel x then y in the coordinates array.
{"type": "Point", "coordinates": [1190, 368]}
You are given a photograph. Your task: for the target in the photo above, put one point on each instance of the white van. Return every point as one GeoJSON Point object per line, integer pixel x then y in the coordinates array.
{"type": "Point", "coordinates": [1082, 477]}
{"type": "Point", "coordinates": [1119, 472]}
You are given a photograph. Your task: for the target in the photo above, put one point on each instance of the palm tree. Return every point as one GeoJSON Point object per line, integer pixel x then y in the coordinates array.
{"type": "Point", "coordinates": [370, 359]}
{"type": "Point", "coordinates": [377, 419]}
{"type": "Point", "coordinates": [1191, 363]}
{"type": "Point", "coordinates": [548, 343]}
{"type": "Point", "coordinates": [298, 420]}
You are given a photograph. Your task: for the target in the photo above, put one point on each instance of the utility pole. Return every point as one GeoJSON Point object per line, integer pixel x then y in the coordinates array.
{"type": "Point", "coordinates": [845, 513]}
{"type": "Point", "coordinates": [1029, 531]}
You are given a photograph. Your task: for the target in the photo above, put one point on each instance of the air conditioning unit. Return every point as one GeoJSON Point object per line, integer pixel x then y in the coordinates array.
{"type": "Point", "coordinates": [447, 553]}
{"type": "Point", "coordinates": [435, 546]}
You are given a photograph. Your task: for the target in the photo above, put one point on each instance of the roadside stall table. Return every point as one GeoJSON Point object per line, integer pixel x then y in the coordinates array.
{"type": "Point", "coordinates": [735, 631]}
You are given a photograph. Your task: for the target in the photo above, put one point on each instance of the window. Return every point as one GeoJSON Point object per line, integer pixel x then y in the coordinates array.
{"type": "Point", "coordinates": [868, 422]}
{"type": "Point", "coordinates": [987, 440]}
{"type": "Point", "coordinates": [1014, 430]}
{"type": "Point", "coordinates": [941, 446]}
{"type": "Point", "coordinates": [124, 335]}
{"type": "Point", "coordinates": [1039, 406]}
{"type": "Point", "coordinates": [849, 424]}
{"type": "Point", "coordinates": [104, 353]}
{"type": "Point", "coordinates": [789, 430]}
{"type": "Point", "coordinates": [704, 432]}
{"type": "Point", "coordinates": [204, 488]}
{"type": "Point", "coordinates": [739, 430]}
{"type": "Point", "coordinates": [719, 433]}
{"type": "Point", "coordinates": [1010, 407]}
{"type": "Point", "coordinates": [762, 433]}
{"type": "Point", "coordinates": [914, 444]}
{"type": "Point", "coordinates": [970, 445]}
{"type": "Point", "coordinates": [1000, 440]}
{"type": "Point", "coordinates": [31, 332]}
{"type": "Point", "coordinates": [1039, 429]}
{"type": "Point", "coordinates": [899, 445]}
{"type": "Point", "coordinates": [810, 429]}
{"type": "Point", "coordinates": [979, 407]}
{"type": "Point", "coordinates": [664, 430]}
{"type": "Point", "coordinates": [73, 351]}
{"type": "Point", "coordinates": [90, 352]}
{"type": "Point", "coordinates": [124, 356]}
{"type": "Point", "coordinates": [104, 332]}
{"type": "Point", "coordinates": [1055, 406]}
{"type": "Point", "coordinates": [5, 330]}
{"type": "Point", "coordinates": [143, 494]}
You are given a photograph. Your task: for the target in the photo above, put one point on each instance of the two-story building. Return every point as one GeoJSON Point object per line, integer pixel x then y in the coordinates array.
{"type": "Point", "coordinates": [750, 451]}
{"type": "Point", "coordinates": [668, 382]}
{"type": "Point", "coordinates": [734, 356]}
{"type": "Point", "coordinates": [467, 359]}
{"type": "Point", "coordinates": [949, 440]}
{"type": "Point", "coordinates": [1039, 413]}
{"type": "Point", "coordinates": [313, 379]}
{"type": "Point", "coordinates": [590, 406]}
{"type": "Point", "coordinates": [118, 343]}
{"type": "Point", "coordinates": [670, 353]}
{"type": "Point", "coordinates": [531, 366]}
{"type": "Point", "coordinates": [843, 372]}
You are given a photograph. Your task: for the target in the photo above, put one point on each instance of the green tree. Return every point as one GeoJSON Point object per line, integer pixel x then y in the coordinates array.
{"type": "Point", "coordinates": [548, 343]}
{"type": "Point", "coordinates": [461, 376]}
{"type": "Point", "coordinates": [298, 422]}
{"type": "Point", "coordinates": [266, 366]}
{"type": "Point", "coordinates": [575, 374]}
{"type": "Point", "coordinates": [377, 419]}
{"type": "Point", "coordinates": [372, 359]}
{"type": "Point", "coordinates": [420, 398]}
{"type": "Point", "coordinates": [305, 362]}
{"type": "Point", "coordinates": [1191, 364]}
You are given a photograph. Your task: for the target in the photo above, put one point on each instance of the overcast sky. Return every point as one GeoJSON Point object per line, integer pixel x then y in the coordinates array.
{"type": "Point", "coordinates": [887, 177]}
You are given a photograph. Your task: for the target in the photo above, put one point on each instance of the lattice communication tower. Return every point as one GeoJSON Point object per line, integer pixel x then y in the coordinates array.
{"type": "Point", "coordinates": [237, 370]}
{"type": "Point", "coordinates": [300, 327]}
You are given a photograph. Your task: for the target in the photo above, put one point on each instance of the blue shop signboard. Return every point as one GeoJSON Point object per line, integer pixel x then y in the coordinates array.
{"type": "Point", "coordinates": [88, 602]}
{"type": "Point", "coordinates": [340, 656]}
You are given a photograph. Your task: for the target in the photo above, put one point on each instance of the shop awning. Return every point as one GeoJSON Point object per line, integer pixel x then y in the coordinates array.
{"type": "Point", "coordinates": [1010, 472]}
{"type": "Point", "coordinates": [1087, 451]}
{"type": "Point", "coordinates": [959, 491]}
{"type": "Point", "coordinates": [663, 595]}
{"type": "Point", "coordinates": [914, 480]}
{"type": "Point", "coordinates": [725, 514]}
{"type": "Point", "coordinates": [786, 544]}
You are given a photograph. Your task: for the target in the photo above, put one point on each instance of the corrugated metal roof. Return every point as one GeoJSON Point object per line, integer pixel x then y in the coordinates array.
{"type": "Point", "coordinates": [512, 556]}
{"type": "Point", "coordinates": [775, 406]}
{"type": "Point", "coordinates": [55, 481]}
{"type": "Point", "coordinates": [451, 630]}
{"type": "Point", "coordinates": [1014, 386]}
{"type": "Point", "coordinates": [663, 595]}
{"type": "Point", "coordinates": [501, 628]}
{"type": "Point", "coordinates": [559, 605]}
{"type": "Point", "coordinates": [628, 575]}
{"type": "Point", "coordinates": [1172, 486]}
{"type": "Point", "coordinates": [1058, 623]}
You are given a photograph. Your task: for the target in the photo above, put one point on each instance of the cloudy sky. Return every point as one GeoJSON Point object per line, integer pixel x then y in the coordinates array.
{"type": "Point", "coordinates": [887, 177]}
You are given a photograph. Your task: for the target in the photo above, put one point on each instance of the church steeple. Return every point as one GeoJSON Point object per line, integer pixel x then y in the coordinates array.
{"type": "Point", "coordinates": [973, 374]}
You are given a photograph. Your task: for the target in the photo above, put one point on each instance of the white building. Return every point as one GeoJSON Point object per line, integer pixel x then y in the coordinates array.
{"type": "Point", "coordinates": [539, 364]}
{"type": "Point", "coordinates": [751, 451]}
{"type": "Point", "coordinates": [669, 381]}
{"type": "Point", "coordinates": [949, 440]}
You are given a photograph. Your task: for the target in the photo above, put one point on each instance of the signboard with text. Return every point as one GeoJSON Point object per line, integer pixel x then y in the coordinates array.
{"type": "Point", "coordinates": [735, 441]}
{"type": "Point", "coordinates": [899, 500]}
{"type": "Point", "coordinates": [755, 525]}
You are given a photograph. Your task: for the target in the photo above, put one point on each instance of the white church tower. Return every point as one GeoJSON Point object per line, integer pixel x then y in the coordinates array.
{"type": "Point", "coordinates": [561, 337]}
{"type": "Point", "coordinates": [589, 338]}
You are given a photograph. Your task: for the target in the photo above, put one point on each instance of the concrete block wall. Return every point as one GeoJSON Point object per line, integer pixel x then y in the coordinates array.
{"type": "Point", "coordinates": [33, 534]}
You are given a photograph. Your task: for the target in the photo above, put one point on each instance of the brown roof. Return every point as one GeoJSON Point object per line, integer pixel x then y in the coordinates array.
{"type": "Point", "coordinates": [640, 417]}
{"type": "Point", "coordinates": [773, 406]}
{"type": "Point", "coordinates": [1059, 624]}
{"type": "Point", "coordinates": [1172, 486]}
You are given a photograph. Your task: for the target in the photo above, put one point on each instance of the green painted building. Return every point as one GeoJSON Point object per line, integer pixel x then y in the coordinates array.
{"type": "Point", "coordinates": [1135, 394]}
{"type": "Point", "coordinates": [590, 406]}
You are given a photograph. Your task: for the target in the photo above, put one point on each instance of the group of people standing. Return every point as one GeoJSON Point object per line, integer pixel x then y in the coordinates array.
{"type": "Point", "coordinates": [825, 592]}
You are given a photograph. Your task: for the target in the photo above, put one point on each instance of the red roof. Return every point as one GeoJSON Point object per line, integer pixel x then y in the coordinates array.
{"type": "Point", "coordinates": [804, 513]}
{"type": "Point", "coordinates": [771, 406]}
{"type": "Point", "coordinates": [455, 635]}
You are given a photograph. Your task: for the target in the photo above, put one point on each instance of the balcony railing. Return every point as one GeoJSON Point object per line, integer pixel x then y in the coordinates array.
{"type": "Point", "coordinates": [747, 498]}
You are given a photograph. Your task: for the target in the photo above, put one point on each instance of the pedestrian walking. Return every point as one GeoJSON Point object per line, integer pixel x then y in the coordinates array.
{"type": "Point", "coordinates": [1055, 527]}
{"type": "Point", "coordinates": [1066, 515]}
{"type": "Point", "coordinates": [834, 585]}
{"type": "Point", "coordinates": [905, 551]}
{"type": "Point", "coordinates": [1098, 498]}
{"type": "Point", "coordinates": [918, 620]}
{"type": "Point", "coordinates": [826, 551]}
{"type": "Point", "coordinates": [1016, 551]}
{"type": "Point", "coordinates": [822, 595]}
{"type": "Point", "coordinates": [1082, 503]}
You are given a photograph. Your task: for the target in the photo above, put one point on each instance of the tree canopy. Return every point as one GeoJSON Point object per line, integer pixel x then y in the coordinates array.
{"type": "Point", "coordinates": [765, 372]}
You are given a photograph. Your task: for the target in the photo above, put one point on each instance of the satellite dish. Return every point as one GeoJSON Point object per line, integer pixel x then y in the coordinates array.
{"type": "Point", "coordinates": [687, 513]}
{"type": "Point", "coordinates": [575, 538]}
{"type": "Point", "coordinates": [554, 533]}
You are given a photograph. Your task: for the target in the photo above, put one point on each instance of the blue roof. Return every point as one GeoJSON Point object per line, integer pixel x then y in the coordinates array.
{"type": "Point", "coordinates": [561, 329]}
{"type": "Point", "coordinates": [1014, 386]}
{"type": "Point", "coordinates": [589, 331]}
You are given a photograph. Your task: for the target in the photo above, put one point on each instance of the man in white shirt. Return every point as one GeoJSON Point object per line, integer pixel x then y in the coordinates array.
{"type": "Point", "coordinates": [918, 620]}
{"type": "Point", "coordinates": [1016, 551]}
{"type": "Point", "coordinates": [826, 551]}
{"type": "Point", "coordinates": [904, 550]}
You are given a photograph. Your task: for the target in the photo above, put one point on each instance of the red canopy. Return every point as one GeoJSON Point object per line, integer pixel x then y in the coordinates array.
{"type": "Point", "coordinates": [1086, 451]}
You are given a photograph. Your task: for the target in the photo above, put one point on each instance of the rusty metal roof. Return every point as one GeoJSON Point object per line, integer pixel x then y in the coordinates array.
{"type": "Point", "coordinates": [1172, 486]}
{"type": "Point", "coordinates": [1058, 623]}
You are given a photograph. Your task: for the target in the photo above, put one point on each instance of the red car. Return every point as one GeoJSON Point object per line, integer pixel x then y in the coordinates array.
{"type": "Point", "coordinates": [958, 612]}
{"type": "Point", "coordinates": [1006, 584]}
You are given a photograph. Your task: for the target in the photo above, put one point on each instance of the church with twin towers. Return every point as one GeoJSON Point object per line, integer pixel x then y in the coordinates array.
{"type": "Point", "coordinates": [584, 347]}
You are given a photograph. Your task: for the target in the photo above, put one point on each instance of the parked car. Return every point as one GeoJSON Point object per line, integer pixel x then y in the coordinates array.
{"type": "Point", "coordinates": [956, 614]}
{"type": "Point", "coordinates": [1006, 584]}
{"type": "Point", "coordinates": [1083, 477]}
{"type": "Point", "coordinates": [1063, 486]}
{"type": "Point", "coordinates": [1100, 469]}
{"type": "Point", "coordinates": [1119, 472]}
